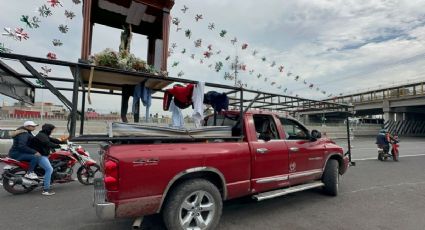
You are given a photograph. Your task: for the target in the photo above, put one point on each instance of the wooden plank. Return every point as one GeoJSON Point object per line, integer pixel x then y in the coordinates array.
{"type": "Point", "coordinates": [119, 79]}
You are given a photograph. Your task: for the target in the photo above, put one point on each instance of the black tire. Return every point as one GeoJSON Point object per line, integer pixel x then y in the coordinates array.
{"type": "Point", "coordinates": [186, 193]}
{"type": "Point", "coordinates": [331, 178]}
{"type": "Point", "coordinates": [380, 155]}
{"type": "Point", "coordinates": [86, 175]}
{"type": "Point", "coordinates": [9, 186]}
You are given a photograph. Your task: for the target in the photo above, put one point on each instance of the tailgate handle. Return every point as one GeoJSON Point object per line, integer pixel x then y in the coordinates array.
{"type": "Point", "coordinates": [262, 150]}
{"type": "Point", "coordinates": [294, 149]}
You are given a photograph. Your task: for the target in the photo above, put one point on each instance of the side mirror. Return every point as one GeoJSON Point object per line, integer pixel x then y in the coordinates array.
{"type": "Point", "coordinates": [315, 134]}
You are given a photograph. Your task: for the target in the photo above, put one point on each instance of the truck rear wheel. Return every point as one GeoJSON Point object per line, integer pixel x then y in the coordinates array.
{"type": "Point", "coordinates": [331, 178]}
{"type": "Point", "coordinates": [194, 204]}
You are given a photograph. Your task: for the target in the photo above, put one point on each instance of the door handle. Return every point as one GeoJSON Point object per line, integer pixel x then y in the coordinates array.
{"type": "Point", "coordinates": [294, 149]}
{"type": "Point", "coordinates": [262, 150]}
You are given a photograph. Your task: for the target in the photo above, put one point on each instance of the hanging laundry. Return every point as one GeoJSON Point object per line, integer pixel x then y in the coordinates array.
{"type": "Point", "coordinates": [219, 101]}
{"type": "Point", "coordinates": [176, 115]}
{"type": "Point", "coordinates": [145, 95]}
{"type": "Point", "coordinates": [198, 103]}
{"type": "Point", "coordinates": [182, 96]}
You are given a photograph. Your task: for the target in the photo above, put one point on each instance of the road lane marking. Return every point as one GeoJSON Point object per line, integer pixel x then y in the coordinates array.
{"type": "Point", "coordinates": [374, 158]}
{"type": "Point", "coordinates": [385, 186]}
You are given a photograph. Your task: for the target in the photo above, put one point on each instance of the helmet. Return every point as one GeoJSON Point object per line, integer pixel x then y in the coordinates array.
{"type": "Point", "coordinates": [383, 131]}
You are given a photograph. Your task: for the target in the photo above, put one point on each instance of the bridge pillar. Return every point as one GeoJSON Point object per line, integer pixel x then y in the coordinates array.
{"type": "Point", "coordinates": [389, 116]}
{"type": "Point", "coordinates": [388, 113]}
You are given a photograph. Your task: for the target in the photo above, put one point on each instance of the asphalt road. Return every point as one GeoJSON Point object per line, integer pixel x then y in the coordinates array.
{"type": "Point", "coordinates": [373, 195]}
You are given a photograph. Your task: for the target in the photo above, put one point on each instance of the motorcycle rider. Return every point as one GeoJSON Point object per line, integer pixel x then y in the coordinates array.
{"type": "Point", "coordinates": [43, 143]}
{"type": "Point", "coordinates": [383, 140]}
{"type": "Point", "coordinates": [20, 149]}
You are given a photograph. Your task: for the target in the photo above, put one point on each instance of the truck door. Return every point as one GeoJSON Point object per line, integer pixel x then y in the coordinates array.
{"type": "Point", "coordinates": [270, 155]}
{"type": "Point", "coordinates": [305, 156]}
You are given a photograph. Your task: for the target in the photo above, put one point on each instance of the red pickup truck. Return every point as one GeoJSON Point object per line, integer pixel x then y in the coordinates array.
{"type": "Point", "coordinates": [188, 181]}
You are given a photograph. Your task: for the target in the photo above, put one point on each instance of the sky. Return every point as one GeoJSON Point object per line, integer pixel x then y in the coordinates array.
{"type": "Point", "coordinates": [339, 46]}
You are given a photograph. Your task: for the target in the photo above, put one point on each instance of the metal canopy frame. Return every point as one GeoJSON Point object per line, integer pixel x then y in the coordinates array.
{"type": "Point", "coordinates": [239, 98]}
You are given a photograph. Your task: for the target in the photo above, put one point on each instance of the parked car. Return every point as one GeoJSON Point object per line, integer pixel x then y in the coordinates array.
{"type": "Point", "coordinates": [187, 181]}
{"type": "Point", "coordinates": [6, 141]}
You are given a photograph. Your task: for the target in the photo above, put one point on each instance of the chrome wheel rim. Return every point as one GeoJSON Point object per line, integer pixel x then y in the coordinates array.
{"type": "Point", "coordinates": [197, 211]}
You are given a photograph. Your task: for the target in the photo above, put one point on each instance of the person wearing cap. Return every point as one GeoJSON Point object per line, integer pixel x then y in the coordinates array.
{"type": "Point", "coordinates": [20, 149]}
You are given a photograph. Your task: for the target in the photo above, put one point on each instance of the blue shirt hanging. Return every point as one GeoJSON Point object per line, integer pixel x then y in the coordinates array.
{"type": "Point", "coordinates": [145, 95]}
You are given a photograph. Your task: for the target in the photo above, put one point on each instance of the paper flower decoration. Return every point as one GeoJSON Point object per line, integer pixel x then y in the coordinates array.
{"type": "Point", "coordinates": [25, 19]}
{"type": "Point", "coordinates": [44, 11]}
{"type": "Point", "coordinates": [69, 14]}
{"type": "Point", "coordinates": [223, 33]}
{"type": "Point", "coordinates": [211, 26]}
{"type": "Point", "coordinates": [3, 49]}
{"type": "Point", "coordinates": [57, 42]}
{"type": "Point", "coordinates": [176, 21]}
{"type": "Point", "coordinates": [54, 3]}
{"type": "Point", "coordinates": [188, 33]}
{"type": "Point", "coordinates": [198, 43]}
{"type": "Point", "coordinates": [218, 66]}
{"type": "Point", "coordinates": [281, 68]}
{"type": "Point", "coordinates": [20, 34]}
{"type": "Point", "coordinates": [198, 17]}
{"type": "Point", "coordinates": [185, 8]}
{"type": "Point", "coordinates": [63, 29]}
{"type": "Point", "coordinates": [207, 54]}
{"type": "Point", "coordinates": [51, 56]}
{"type": "Point", "coordinates": [234, 40]}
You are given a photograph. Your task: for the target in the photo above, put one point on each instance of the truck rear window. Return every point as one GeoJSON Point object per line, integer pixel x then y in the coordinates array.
{"type": "Point", "coordinates": [231, 120]}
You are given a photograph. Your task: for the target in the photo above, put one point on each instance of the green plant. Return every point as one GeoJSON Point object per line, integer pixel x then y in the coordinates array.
{"type": "Point", "coordinates": [122, 60]}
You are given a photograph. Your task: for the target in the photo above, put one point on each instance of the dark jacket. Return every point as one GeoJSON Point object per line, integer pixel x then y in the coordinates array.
{"type": "Point", "coordinates": [21, 141]}
{"type": "Point", "coordinates": [382, 139]}
{"type": "Point", "coordinates": [43, 143]}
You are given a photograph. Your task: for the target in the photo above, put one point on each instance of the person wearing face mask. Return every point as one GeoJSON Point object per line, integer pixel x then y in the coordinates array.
{"type": "Point", "coordinates": [21, 150]}
{"type": "Point", "coordinates": [43, 143]}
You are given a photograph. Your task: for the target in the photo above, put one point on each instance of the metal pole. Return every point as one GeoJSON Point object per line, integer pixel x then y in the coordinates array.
{"type": "Point", "coordinates": [74, 103]}
{"type": "Point", "coordinates": [83, 109]}
{"type": "Point", "coordinates": [42, 105]}
{"type": "Point", "coordinates": [242, 112]}
{"type": "Point", "coordinates": [348, 135]}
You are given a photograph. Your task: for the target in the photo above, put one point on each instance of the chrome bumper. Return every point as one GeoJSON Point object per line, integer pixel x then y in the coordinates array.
{"type": "Point", "coordinates": [104, 210]}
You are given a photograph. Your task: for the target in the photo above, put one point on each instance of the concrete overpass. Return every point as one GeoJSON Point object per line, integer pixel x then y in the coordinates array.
{"type": "Point", "coordinates": [402, 107]}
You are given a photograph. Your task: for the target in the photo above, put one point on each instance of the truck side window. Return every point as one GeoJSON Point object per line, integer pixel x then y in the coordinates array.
{"type": "Point", "coordinates": [265, 126]}
{"type": "Point", "coordinates": [293, 129]}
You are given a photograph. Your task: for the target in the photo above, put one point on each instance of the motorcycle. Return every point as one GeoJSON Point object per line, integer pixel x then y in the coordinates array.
{"type": "Point", "coordinates": [62, 161]}
{"type": "Point", "coordinates": [394, 153]}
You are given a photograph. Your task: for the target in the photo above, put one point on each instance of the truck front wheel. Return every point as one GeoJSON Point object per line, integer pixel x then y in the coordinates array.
{"type": "Point", "coordinates": [331, 178]}
{"type": "Point", "coordinates": [194, 204]}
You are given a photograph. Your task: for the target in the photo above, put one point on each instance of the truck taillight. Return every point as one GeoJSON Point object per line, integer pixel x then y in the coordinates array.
{"type": "Point", "coordinates": [111, 175]}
